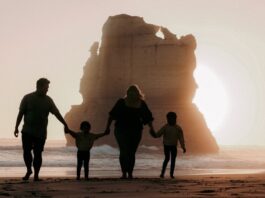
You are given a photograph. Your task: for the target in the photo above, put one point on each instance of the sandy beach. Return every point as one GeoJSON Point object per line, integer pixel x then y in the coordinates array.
{"type": "Point", "coordinates": [241, 185]}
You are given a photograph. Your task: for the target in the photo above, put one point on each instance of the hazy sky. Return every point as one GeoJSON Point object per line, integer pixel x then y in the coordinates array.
{"type": "Point", "coordinates": [52, 38]}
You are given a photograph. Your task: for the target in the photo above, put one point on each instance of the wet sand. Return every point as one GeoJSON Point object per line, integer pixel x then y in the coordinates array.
{"type": "Point", "coordinates": [240, 185]}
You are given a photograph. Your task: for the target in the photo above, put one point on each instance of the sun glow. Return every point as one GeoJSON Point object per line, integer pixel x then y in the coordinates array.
{"type": "Point", "coordinates": [211, 98]}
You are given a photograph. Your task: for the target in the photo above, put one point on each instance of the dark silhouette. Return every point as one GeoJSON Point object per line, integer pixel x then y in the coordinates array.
{"type": "Point", "coordinates": [172, 133]}
{"type": "Point", "coordinates": [84, 142]}
{"type": "Point", "coordinates": [35, 107]}
{"type": "Point", "coordinates": [130, 114]}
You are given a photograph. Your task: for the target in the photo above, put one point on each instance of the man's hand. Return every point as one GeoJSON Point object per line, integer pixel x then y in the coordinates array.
{"type": "Point", "coordinates": [16, 133]}
{"type": "Point", "coordinates": [66, 129]}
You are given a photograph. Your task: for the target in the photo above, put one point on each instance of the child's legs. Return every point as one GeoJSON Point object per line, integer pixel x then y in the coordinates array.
{"type": "Point", "coordinates": [86, 163]}
{"type": "Point", "coordinates": [167, 155]}
{"type": "Point", "coordinates": [173, 152]}
{"type": "Point", "coordinates": [79, 163]}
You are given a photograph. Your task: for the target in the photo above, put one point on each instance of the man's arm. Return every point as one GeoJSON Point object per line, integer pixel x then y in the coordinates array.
{"type": "Point", "coordinates": [55, 111]}
{"type": "Point", "coordinates": [60, 118]}
{"type": "Point", "coordinates": [19, 118]}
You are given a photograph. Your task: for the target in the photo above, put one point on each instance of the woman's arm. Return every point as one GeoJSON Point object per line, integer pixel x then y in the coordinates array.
{"type": "Point", "coordinates": [114, 114]}
{"type": "Point", "coordinates": [153, 133]}
{"type": "Point", "coordinates": [107, 130]}
{"type": "Point", "coordinates": [147, 115]}
{"type": "Point", "coordinates": [150, 124]}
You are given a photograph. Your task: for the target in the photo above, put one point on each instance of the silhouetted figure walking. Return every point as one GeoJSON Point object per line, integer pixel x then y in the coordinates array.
{"type": "Point", "coordinates": [84, 141]}
{"type": "Point", "coordinates": [35, 107]}
{"type": "Point", "coordinates": [172, 133]}
{"type": "Point", "coordinates": [130, 114]}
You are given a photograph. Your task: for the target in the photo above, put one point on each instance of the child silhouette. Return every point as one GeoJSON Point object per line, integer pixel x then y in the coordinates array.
{"type": "Point", "coordinates": [84, 141]}
{"type": "Point", "coordinates": [172, 133]}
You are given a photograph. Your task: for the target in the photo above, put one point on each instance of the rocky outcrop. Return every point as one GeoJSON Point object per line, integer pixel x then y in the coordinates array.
{"type": "Point", "coordinates": [131, 53]}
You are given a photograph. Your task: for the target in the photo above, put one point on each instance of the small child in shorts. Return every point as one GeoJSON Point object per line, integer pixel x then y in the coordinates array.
{"type": "Point", "coordinates": [84, 141]}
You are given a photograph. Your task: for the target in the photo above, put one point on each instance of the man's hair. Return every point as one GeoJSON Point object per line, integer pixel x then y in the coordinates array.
{"type": "Point", "coordinates": [41, 82]}
{"type": "Point", "coordinates": [85, 124]}
{"type": "Point", "coordinates": [171, 115]}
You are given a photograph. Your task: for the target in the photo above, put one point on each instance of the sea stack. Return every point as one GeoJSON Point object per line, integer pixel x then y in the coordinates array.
{"type": "Point", "coordinates": [131, 53]}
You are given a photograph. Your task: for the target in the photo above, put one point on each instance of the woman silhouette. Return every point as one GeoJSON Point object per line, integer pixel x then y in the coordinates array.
{"type": "Point", "coordinates": [130, 114]}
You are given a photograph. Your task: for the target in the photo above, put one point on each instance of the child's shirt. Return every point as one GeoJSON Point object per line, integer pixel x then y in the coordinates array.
{"type": "Point", "coordinates": [85, 141]}
{"type": "Point", "coordinates": [171, 135]}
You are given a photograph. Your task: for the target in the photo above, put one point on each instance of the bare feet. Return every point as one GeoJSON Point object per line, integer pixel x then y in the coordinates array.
{"type": "Point", "coordinates": [37, 179]}
{"type": "Point", "coordinates": [130, 176]}
{"type": "Point", "coordinates": [26, 177]}
{"type": "Point", "coordinates": [124, 176]}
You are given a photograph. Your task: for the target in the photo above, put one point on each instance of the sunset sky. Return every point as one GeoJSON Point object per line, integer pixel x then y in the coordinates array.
{"type": "Point", "coordinates": [52, 39]}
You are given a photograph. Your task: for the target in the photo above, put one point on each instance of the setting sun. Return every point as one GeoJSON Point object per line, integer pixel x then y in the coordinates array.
{"type": "Point", "coordinates": [211, 97]}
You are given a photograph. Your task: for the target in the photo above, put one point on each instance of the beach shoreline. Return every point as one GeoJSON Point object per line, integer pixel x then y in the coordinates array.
{"type": "Point", "coordinates": [232, 185]}
{"type": "Point", "coordinates": [233, 172]}
{"type": "Point", "coordinates": [69, 172]}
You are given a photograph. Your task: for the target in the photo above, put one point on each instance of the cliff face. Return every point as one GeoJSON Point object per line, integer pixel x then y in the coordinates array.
{"type": "Point", "coordinates": [131, 53]}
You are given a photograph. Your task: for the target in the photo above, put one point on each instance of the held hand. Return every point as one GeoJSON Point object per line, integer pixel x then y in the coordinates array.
{"type": "Point", "coordinates": [66, 129]}
{"type": "Point", "coordinates": [151, 127]}
{"type": "Point", "coordinates": [184, 150]}
{"type": "Point", "coordinates": [107, 131]}
{"type": "Point", "coordinates": [152, 132]}
{"type": "Point", "coordinates": [16, 133]}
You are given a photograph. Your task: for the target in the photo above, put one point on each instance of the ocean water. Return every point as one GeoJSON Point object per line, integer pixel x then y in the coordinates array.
{"type": "Point", "coordinates": [59, 160]}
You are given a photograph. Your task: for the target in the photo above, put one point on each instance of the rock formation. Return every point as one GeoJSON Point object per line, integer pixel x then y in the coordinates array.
{"type": "Point", "coordinates": [131, 53]}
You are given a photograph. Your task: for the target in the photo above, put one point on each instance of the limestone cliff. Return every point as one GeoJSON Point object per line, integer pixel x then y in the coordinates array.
{"type": "Point", "coordinates": [131, 53]}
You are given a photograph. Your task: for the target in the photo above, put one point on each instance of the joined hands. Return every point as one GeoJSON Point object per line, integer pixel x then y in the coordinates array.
{"type": "Point", "coordinates": [107, 131]}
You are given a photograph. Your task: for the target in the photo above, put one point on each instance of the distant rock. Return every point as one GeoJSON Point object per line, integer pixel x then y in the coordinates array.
{"type": "Point", "coordinates": [131, 53]}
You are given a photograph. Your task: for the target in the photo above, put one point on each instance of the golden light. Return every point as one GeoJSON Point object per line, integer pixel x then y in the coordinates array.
{"type": "Point", "coordinates": [211, 98]}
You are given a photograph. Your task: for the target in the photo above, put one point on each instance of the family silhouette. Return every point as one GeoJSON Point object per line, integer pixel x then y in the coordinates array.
{"type": "Point", "coordinates": [130, 114]}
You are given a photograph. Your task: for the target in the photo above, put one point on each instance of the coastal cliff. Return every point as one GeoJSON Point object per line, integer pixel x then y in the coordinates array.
{"type": "Point", "coordinates": [130, 52]}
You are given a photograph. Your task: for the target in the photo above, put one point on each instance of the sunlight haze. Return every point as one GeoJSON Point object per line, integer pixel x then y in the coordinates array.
{"type": "Point", "coordinates": [52, 39]}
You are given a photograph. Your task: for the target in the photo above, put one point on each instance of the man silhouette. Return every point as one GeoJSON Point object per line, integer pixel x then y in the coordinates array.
{"type": "Point", "coordinates": [35, 107]}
